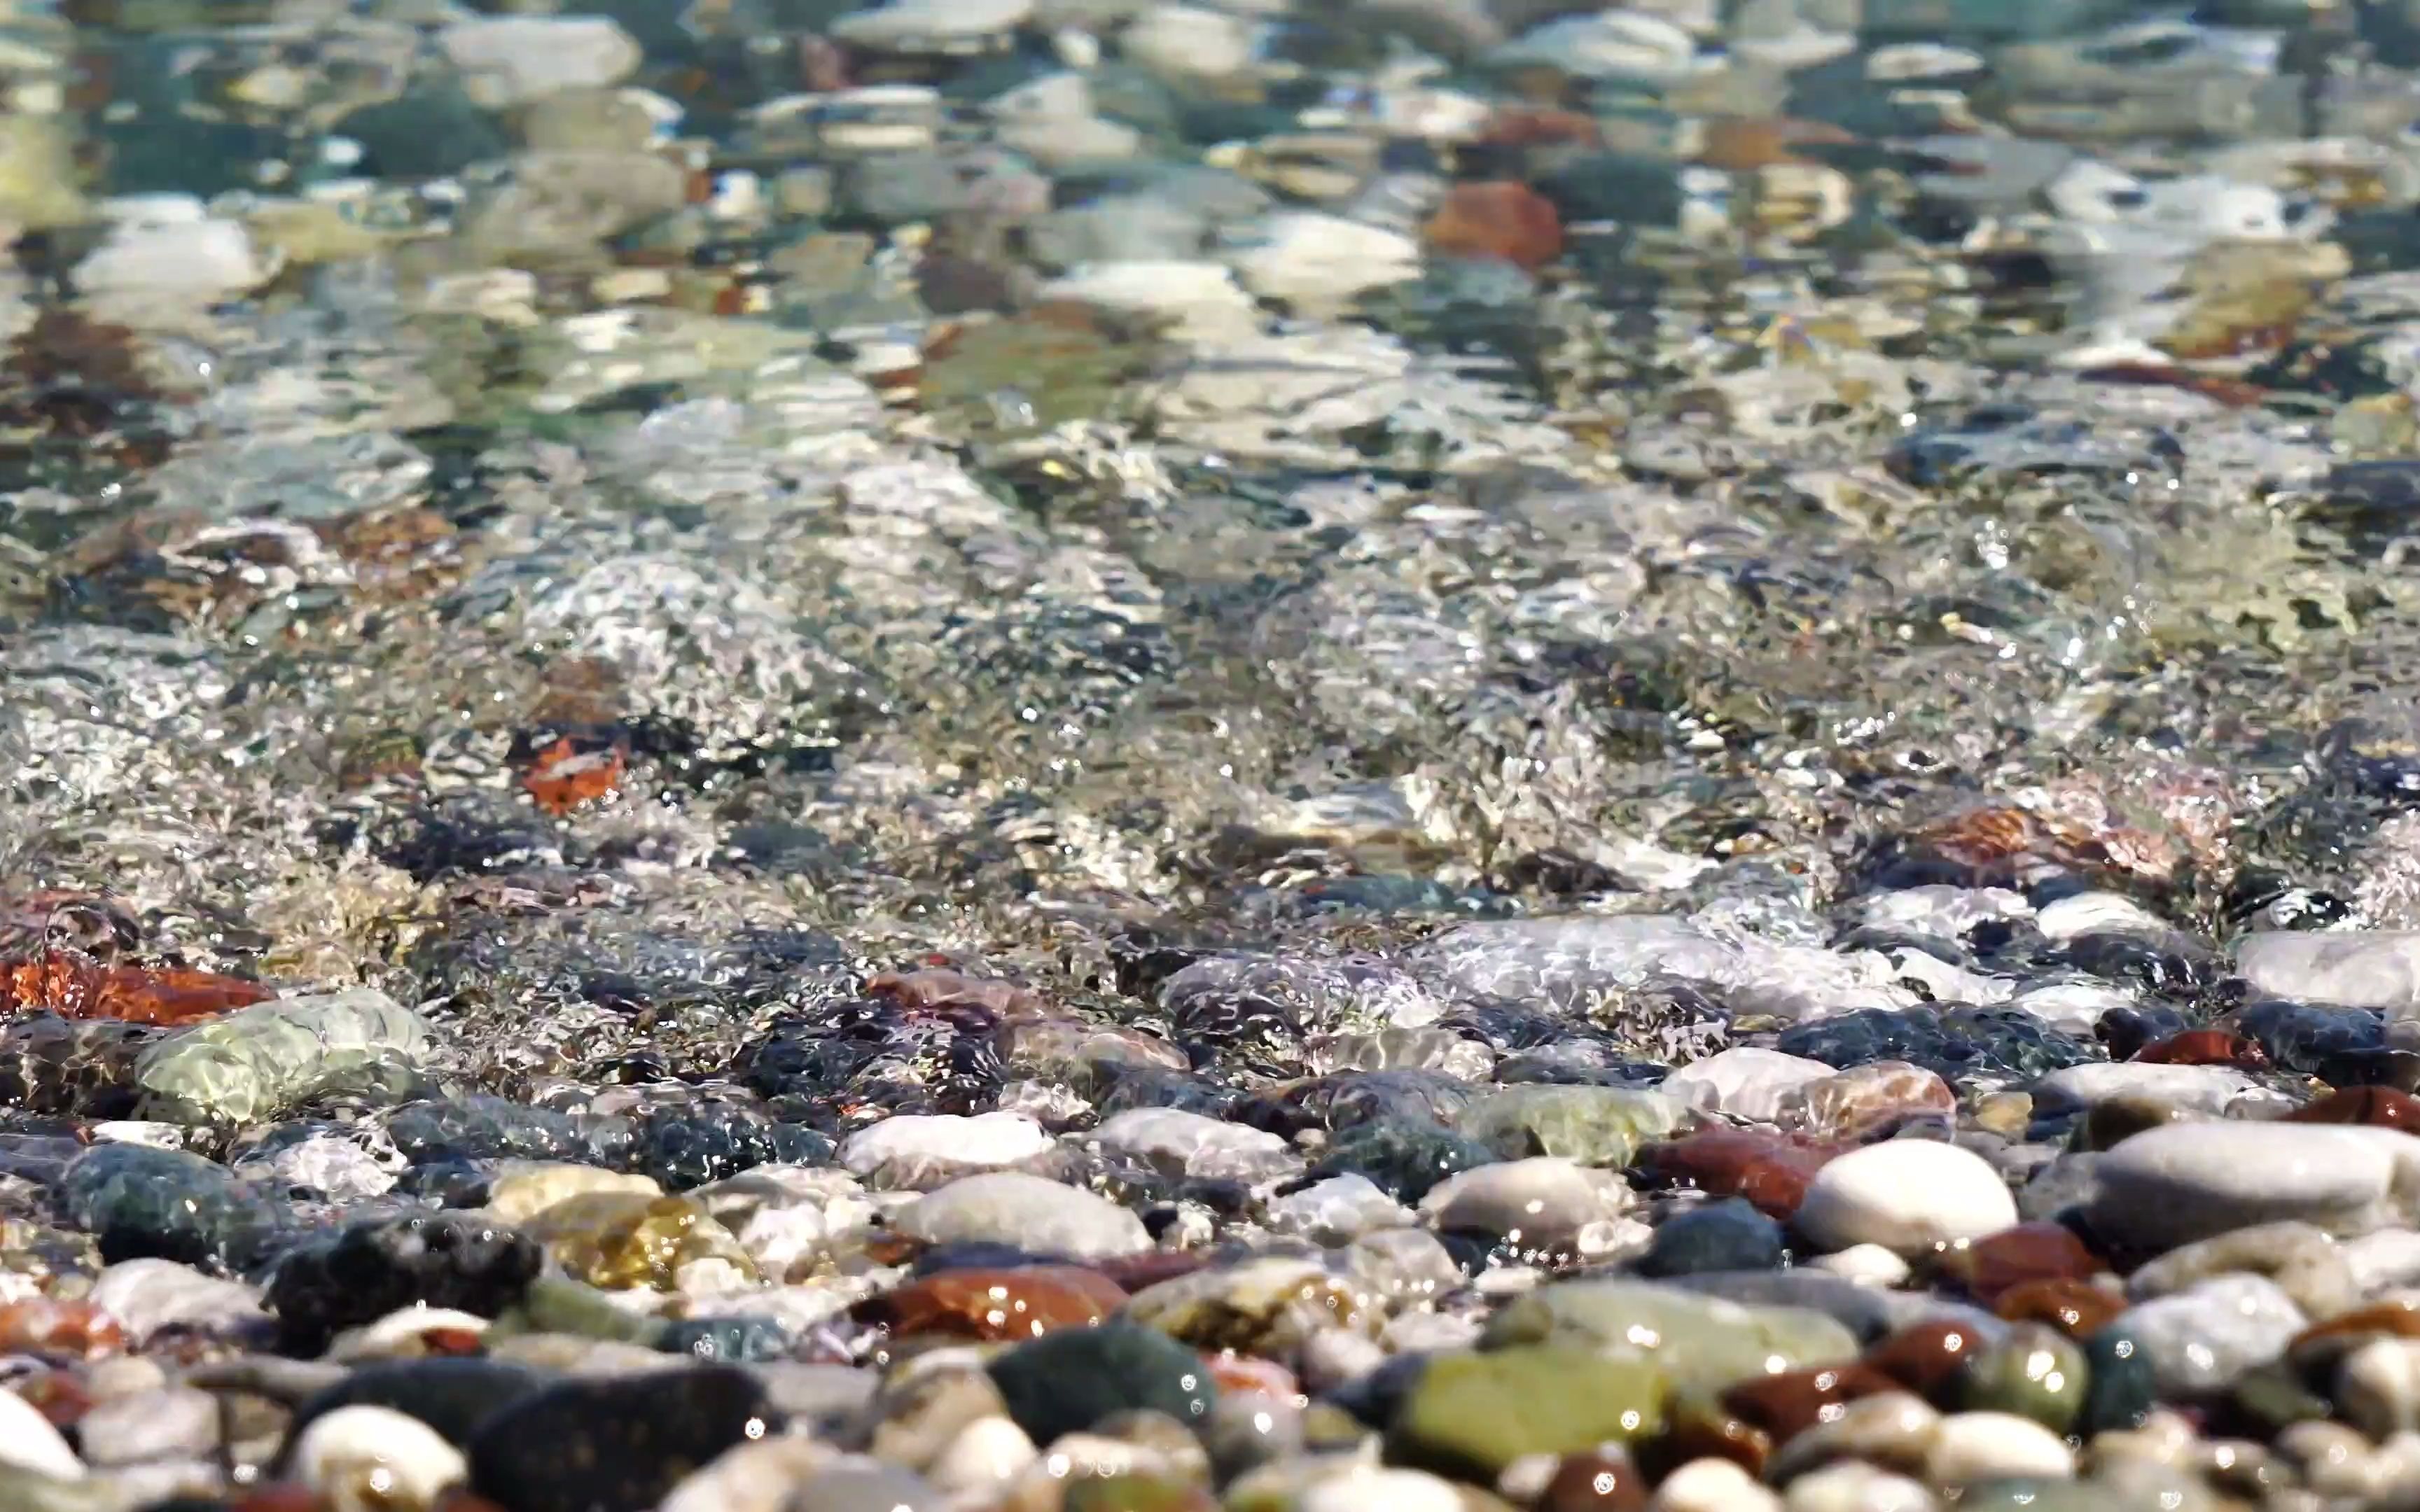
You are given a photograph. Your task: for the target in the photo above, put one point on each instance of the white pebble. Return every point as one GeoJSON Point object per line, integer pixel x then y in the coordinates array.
{"type": "Point", "coordinates": [1854, 1485]}
{"type": "Point", "coordinates": [373, 1458]}
{"type": "Point", "coordinates": [1712, 1486]}
{"type": "Point", "coordinates": [1187, 41]}
{"type": "Point", "coordinates": [1314, 260]}
{"type": "Point", "coordinates": [1908, 1195]}
{"type": "Point", "coordinates": [511, 60]}
{"type": "Point", "coordinates": [909, 1149]}
{"type": "Point", "coordinates": [2378, 1385]}
{"type": "Point", "coordinates": [27, 1441]}
{"type": "Point", "coordinates": [1972, 1446]}
{"type": "Point", "coordinates": [1370, 1488]}
{"type": "Point", "coordinates": [1868, 1265]}
{"type": "Point", "coordinates": [983, 1456]}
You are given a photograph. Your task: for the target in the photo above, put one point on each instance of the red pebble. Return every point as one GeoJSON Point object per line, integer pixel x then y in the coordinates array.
{"type": "Point", "coordinates": [1507, 222]}
{"type": "Point", "coordinates": [2203, 1047]}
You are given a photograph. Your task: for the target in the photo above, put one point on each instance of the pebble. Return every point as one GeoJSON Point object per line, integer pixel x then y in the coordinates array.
{"type": "Point", "coordinates": [1013, 1208]}
{"type": "Point", "coordinates": [917, 1151]}
{"type": "Point", "coordinates": [509, 61]}
{"type": "Point", "coordinates": [1472, 1415]}
{"type": "Point", "coordinates": [2206, 1089]}
{"type": "Point", "coordinates": [168, 1423]}
{"type": "Point", "coordinates": [930, 26]}
{"type": "Point", "coordinates": [2203, 1338]}
{"type": "Point", "coordinates": [1315, 262]}
{"type": "Point", "coordinates": [27, 1441]}
{"type": "Point", "coordinates": [369, 1270]}
{"type": "Point", "coordinates": [2360, 968]}
{"type": "Point", "coordinates": [161, 260]}
{"type": "Point", "coordinates": [620, 1441]}
{"type": "Point", "coordinates": [1201, 300]}
{"type": "Point", "coordinates": [1196, 1146]}
{"type": "Point", "coordinates": [1338, 1211]}
{"type": "Point", "coordinates": [1542, 1201]}
{"type": "Point", "coordinates": [1745, 1080]}
{"type": "Point", "coordinates": [1068, 1381]}
{"type": "Point", "coordinates": [371, 1457]}
{"type": "Point", "coordinates": [1712, 1485]}
{"type": "Point", "coordinates": [2172, 1185]}
{"type": "Point", "coordinates": [1908, 1195]}
{"type": "Point", "coordinates": [1980, 1446]}
{"type": "Point", "coordinates": [2308, 1265]}
{"type": "Point", "coordinates": [147, 1296]}
{"type": "Point", "coordinates": [1187, 42]}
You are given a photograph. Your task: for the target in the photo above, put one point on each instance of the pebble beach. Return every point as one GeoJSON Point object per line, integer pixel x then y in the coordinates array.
{"type": "Point", "coordinates": [1229, 756]}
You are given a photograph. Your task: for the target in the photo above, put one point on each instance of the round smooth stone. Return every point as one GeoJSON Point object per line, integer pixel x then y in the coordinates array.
{"type": "Point", "coordinates": [1908, 1195]}
{"type": "Point", "coordinates": [2172, 1185]}
{"type": "Point", "coordinates": [353, 1451]}
{"type": "Point", "coordinates": [1974, 1447]}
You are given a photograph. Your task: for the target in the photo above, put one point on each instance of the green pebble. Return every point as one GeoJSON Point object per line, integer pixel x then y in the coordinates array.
{"type": "Point", "coordinates": [2035, 1372]}
{"type": "Point", "coordinates": [1469, 1415]}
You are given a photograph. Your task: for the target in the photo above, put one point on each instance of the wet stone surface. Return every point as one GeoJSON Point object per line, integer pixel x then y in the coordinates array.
{"type": "Point", "coordinates": [1111, 756]}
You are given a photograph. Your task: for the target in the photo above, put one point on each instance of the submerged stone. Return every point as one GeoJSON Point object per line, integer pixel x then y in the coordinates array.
{"type": "Point", "coordinates": [261, 1060]}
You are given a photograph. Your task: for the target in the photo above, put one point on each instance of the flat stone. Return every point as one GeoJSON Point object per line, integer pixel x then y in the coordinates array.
{"type": "Point", "coordinates": [2307, 1262]}
{"type": "Point", "coordinates": [2378, 1385]}
{"type": "Point", "coordinates": [1981, 1446]}
{"type": "Point", "coordinates": [509, 61]}
{"type": "Point", "coordinates": [930, 26]}
{"type": "Point", "coordinates": [1195, 1146]}
{"type": "Point", "coordinates": [346, 1452]}
{"type": "Point", "coordinates": [1317, 262]}
{"type": "Point", "coordinates": [2357, 968]}
{"type": "Point", "coordinates": [1745, 1080]}
{"type": "Point", "coordinates": [2023, 1253]}
{"type": "Point", "coordinates": [2206, 1089]}
{"type": "Point", "coordinates": [913, 1152]}
{"type": "Point", "coordinates": [2184, 1182]}
{"type": "Point", "coordinates": [1863, 1098]}
{"type": "Point", "coordinates": [622, 1239]}
{"type": "Point", "coordinates": [522, 1189]}
{"type": "Point", "coordinates": [1702, 1341]}
{"type": "Point", "coordinates": [620, 1441]}
{"type": "Point", "coordinates": [1338, 1211]}
{"type": "Point", "coordinates": [1469, 1415]}
{"type": "Point", "coordinates": [28, 1442]}
{"type": "Point", "coordinates": [1041, 1216]}
{"type": "Point", "coordinates": [1594, 1125]}
{"type": "Point", "coordinates": [256, 1061]}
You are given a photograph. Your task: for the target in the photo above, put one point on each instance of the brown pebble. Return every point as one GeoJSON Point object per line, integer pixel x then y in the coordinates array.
{"type": "Point", "coordinates": [984, 1303]}
{"type": "Point", "coordinates": [2203, 1047]}
{"type": "Point", "coordinates": [2380, 1106]}
{"type": "Point", "coordinates": [2076, 1308]}
{"type": "Point", "coordinates": [1506, 222]}
{"type": "Point", "coordinates": [1926, 1357]}
{"type": "Point", "coordinates": [1789, 1402]}
{"type": "Point", "coordinates": [1770, 1170]}
{"type": "Point", "coordinates": [2038, 1251]}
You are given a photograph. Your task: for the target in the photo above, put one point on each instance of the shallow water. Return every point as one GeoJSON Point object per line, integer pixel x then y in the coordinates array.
{"type": "Point", "coordinates": [727, 573]}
